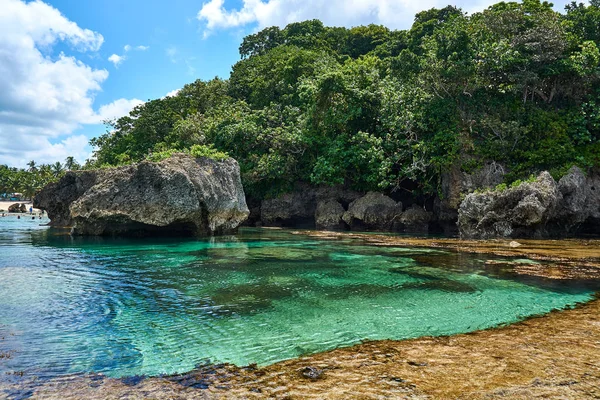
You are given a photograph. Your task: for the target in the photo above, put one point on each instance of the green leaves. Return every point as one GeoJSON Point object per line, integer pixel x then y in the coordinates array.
{"type": "Point", "coordinates": [372, 108]}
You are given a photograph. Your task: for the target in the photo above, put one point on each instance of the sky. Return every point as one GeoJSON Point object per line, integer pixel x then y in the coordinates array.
{"type": "Point", "coordinates": [66, 66]}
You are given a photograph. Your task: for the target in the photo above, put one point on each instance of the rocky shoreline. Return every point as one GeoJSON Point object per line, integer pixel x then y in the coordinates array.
{"type": "Point", "coordinates": [475, 205]}
{"type": "Point", "coordinates": [551, 356]}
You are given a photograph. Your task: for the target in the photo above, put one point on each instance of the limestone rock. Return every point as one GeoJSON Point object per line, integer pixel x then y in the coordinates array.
{"type": "Point", "coordinates": [416, 219]}
{"type": "Point", "coordinates": [581, 200]}
{"type": "Point", "coordinates": [180, 195]}
{"type": "Point", "coordinates": [455, 183]}
{"type": "Point", "coordinates": [522, 211]}
{"type": "Point", "coordinates": [373, 211]}
{"type": "Point", "coordinates": [299, 207]}
{"type": "Point", "coordinates": [328, 215]}
{"type": "Point", "coordinates": [290, 209]}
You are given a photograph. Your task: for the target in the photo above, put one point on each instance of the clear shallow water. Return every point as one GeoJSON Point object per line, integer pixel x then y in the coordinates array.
{"type": "Point", "coordinates": [149, 307]}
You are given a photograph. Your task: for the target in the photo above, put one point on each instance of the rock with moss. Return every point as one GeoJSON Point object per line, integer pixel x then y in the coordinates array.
{"type": "Point", "coordinates": [181, 195]}
{"type": "Point", "coordinates": [520, 211]}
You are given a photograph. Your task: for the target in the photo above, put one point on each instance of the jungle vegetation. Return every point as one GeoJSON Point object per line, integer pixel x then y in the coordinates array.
{"type": "Point", "coordinates": [374, 108]}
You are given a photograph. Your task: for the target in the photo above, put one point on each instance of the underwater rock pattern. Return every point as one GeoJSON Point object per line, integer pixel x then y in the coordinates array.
{"type": "Point", "coordinates": [180, 195]}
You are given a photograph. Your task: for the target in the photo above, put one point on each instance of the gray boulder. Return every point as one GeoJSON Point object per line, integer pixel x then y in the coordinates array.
{"type": "Point", "coordinates": [580, 201]}
{"type": "Point", "coordinates": [290, 209]}
{"type": "Point", "coordinates": [329, 214]}
{"type": "Point", "coordinates": [456, 183]}
{"type": "Point", "coordinates": [180, 195]}
{"type": "Point", "coordinates": [522, 211]}
{"type": "Point", "coordinates": [416, 219]}
{"type": "Point", "coordinates": [373, 211]}
{"type": "Point", "coordinates": [299, 208]}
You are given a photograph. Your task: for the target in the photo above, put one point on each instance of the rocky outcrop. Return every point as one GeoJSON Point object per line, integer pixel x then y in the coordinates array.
{"type": "Point", "coordinates": [416, 219]}
{"type": "Point", "coordinates": [373, 211]}
{"type": "Point", "coordinates": [522, 211]}
{"type": "Point", "coordinates": [307, 207]}
{"type": "Point", "coordinates": [580, 201]}
{"type": "Point", "coordinates": [543, 208]}
{"type": "Point", "coordinates": [177, 196]}
{"type": "Point", "coordinates": [17, 208]}
{"type": "Point", "coordinates": [456, 183]}
{"type": "Point", "coordinates": [328, 215]}
{"type": "Point", "coordinates": [296, 208]}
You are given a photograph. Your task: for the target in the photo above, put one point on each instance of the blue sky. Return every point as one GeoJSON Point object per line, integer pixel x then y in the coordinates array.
{"type": "Point", "coordinates": [65, 65]}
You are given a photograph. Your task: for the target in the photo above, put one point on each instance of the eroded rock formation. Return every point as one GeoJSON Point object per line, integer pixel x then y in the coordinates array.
{"type": "Point", "coordinates": [543, 208]}
{"type": "Point", "coordinates": [180, 195]}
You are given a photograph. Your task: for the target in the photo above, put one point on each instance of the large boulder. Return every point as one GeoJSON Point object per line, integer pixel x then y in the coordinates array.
{"type": "Point", "coordinates": [17, 208]}
{"type": "Point", "coordinates": [580, 203]}
{"type": "Point", "coordinates": [329, 214]}
{"type": "Point", "coordinates": [300, 207]}
{"type": "Point", "coordinates": [181, 195]}
{"type": "Point", "coordinates": [416, 219]}
{"type": "Point", "coordinates": [521, 211]}
{"type": "Point", "coordinates": [373, 211]}
{"type": "Point", "coordinates": [296, 208]}
{"type": "Point", "coordinates": [456, 183]}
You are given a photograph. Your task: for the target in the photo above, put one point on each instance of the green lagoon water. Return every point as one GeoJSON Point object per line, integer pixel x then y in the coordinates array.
{"type": "Point", "coordinates": [150, 307]}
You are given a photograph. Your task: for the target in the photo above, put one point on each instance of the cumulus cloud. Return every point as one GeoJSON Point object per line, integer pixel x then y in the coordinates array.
{"type": "Point", "coordinates": [395, 14]}
{"type": "Point", "coordinates": [45, 97]}
{"type": "Point", "coordinates": [173, 93]}
{"type": "Point", "coordinates": [142, 48]}
{"type": "Point", "coordinates": [116, 109]}
{"type": "Point", "coordinates": [116, 59]}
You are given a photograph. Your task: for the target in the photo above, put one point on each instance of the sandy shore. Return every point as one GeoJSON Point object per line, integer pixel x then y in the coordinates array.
{"type": "Point", "coordinates": [549, 357]}
{"type": "Point", "coordinates": [5, 204]}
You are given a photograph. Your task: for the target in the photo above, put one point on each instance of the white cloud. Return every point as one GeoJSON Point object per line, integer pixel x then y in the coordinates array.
{"type": "Point", "coordinates": [127, 48]}
{"type": "Point", "coordinates": [116, 59]}
{"type": "Point", "coordinates": [142, 48]}
{"type": "Point", "coordinates": [116, 109]}
{"type": "Point", "coordinates": [395, 14]}
{"type": "Point", "coordinates": [173, 93]}
{"type": "Point", "coordinates": [44, 96]}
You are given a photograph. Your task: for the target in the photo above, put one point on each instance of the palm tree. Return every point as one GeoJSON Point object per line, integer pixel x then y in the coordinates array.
{"type": "Point", "coordinates": [32, 166]}
{"type": "Point", "coordinates": [71, 164]}
{"type": "Point", "coordinates": [57, 169]}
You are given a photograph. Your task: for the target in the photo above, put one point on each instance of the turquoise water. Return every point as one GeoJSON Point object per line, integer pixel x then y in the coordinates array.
{"type": "Point", "coordinates": [150, 307]}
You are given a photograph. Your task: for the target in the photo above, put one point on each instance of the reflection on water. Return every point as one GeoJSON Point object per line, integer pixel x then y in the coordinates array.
{"type": "Point", "coordinates": [149, 307]}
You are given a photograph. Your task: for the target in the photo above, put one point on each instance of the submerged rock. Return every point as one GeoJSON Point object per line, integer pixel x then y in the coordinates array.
{"type": "Point", "coordinates": [181, 195]}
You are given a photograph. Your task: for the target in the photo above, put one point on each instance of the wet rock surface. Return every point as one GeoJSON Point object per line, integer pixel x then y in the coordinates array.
{"type": "Point", "coordinates": [177, 196]}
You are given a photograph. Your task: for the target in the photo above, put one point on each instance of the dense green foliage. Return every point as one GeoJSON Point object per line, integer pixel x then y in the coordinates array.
{"type": "Point", "coordinates": [28, 181]}
{"type": "Point", "coordinates": [371, 108]}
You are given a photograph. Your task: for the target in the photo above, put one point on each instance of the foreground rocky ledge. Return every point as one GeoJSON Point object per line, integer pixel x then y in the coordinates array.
{"type": "Point", "coordinates": [181, 196]}
{"type": "Point", "coordinates": [553, 356]}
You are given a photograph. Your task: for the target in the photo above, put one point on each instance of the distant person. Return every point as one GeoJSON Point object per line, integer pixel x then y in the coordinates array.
{"type": "Point", "coordinates": [18, 217]}
{"type": "Point", "coordinates": [30, 210]}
